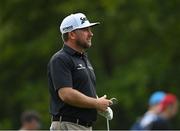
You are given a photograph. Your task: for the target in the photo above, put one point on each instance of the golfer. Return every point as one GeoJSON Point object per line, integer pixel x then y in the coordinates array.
{"type": "Point", "coordinates": [74, 103]}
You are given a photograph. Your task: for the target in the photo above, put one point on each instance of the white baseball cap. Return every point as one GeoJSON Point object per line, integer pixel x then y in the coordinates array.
{"type": "Point", "coordinates": [75, 21]}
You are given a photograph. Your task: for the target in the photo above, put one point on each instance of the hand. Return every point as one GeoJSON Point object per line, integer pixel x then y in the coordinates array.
{"type": "Point", "coordinates": [55, 125]}
{"type": "Point", "coordinates": [108, 114]}
{"type": "Point", "coordinates": [103, 103]}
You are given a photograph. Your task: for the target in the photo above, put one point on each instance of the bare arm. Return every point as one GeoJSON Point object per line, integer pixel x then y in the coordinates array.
{"type": "Point", "coordinates": [76, 98]}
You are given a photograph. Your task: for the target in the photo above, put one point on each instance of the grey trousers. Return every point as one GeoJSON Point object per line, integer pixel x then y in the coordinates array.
{"type": "Point", "coordinates": [65, 126]}
{"type": "Point", "coordinates": [72, 126]}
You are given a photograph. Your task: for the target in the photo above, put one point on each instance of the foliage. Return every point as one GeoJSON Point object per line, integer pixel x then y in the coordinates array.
{"type": "Point", "coordinates": [135, 52]}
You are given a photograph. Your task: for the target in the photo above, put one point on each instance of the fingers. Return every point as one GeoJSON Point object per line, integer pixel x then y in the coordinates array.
{"type": "Point", "coordinates": [110, 102]}
{"type": "Point", "coordinates": [103, 103]}
{"type": "Point", "coordinates": [104, 96]}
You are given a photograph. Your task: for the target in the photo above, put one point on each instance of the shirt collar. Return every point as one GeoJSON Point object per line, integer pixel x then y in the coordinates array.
{"type": "Point", "coordinates": [72, 52]}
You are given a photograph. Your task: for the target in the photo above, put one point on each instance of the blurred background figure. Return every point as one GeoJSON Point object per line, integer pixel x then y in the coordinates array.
{"type": "Point", "coordinates": [169, 108]}
{"type": "Point", "coordinates": [30, 120]}
{"type": "Point", "coordinates": [145, 122]}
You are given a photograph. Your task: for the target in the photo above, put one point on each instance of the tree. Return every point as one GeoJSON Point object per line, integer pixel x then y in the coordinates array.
{"type": "Point", "coordinates": [135, 52]}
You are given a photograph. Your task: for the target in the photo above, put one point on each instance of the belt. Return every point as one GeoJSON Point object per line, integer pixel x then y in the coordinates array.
{"type": "Point", "coordinates": [73, 120]}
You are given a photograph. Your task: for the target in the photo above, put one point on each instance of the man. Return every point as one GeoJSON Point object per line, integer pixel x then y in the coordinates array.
{"type": "Point", "coordinates": [30, 120]}
{"type": "Point", "coordinates": [145, 123]}
{"type": "Point", "coordinates": [169, 108]}
{"type": "Point", "coordinates": [74, 102]}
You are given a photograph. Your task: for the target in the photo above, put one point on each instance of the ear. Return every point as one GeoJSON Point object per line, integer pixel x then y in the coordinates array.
{"type": "Point", "coordinates": [72, 35]}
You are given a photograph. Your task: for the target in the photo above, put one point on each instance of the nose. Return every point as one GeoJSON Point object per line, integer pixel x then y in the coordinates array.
{"type": "Point", "coordinates": [90, 32]}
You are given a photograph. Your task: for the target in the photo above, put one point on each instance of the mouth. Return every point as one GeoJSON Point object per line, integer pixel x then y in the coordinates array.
{"type": "Point", "coordinates": [89, 40]}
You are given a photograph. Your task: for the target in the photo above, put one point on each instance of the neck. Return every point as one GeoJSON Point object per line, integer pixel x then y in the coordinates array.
{"type": "Point", "coordinates": [165, 114]}
{"type": "Point", "coordinates": [155, 109]}
{"type": "Point", "coordinates": [75, 47]}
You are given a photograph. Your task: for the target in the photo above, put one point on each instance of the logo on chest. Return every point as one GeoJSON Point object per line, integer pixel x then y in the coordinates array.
{"type": "Point", "coordinates": [80, 66]}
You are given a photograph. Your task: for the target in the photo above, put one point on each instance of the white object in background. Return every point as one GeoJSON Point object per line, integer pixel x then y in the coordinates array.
{"type": "Point", "coordinates": [55, 125]}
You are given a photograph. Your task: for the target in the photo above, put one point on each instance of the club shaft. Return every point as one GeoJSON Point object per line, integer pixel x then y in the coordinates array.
{"type": "Point", "coordinates": [107, 124]}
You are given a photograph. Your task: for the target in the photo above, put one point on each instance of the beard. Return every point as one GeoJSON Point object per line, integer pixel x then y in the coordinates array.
{"type": "Point", "coordinates": [83, 44]}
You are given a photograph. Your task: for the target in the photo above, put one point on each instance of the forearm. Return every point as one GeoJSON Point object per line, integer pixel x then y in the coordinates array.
{"type": "Point", "coordinates": [76, 98]}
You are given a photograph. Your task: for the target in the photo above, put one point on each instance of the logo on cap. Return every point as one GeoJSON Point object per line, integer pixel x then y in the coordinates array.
{"type": "Point", "coordinates": [68, 28]}
{"type": "Point", "coordinates": [83, 19]}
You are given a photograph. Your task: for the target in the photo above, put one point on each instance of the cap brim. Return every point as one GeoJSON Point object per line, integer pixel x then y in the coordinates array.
{"type": "Point", "coordinates": [89, 25]}
{"type": "Point", "coordinates": [94, 24]}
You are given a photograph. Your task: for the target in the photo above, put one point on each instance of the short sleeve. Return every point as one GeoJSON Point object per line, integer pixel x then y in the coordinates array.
{"type": "Point", "coordinates": [60, 69]}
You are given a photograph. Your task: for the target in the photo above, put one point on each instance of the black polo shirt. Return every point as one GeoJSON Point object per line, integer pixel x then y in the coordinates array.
{"type": "Point", "coordinates": [68, 68]}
